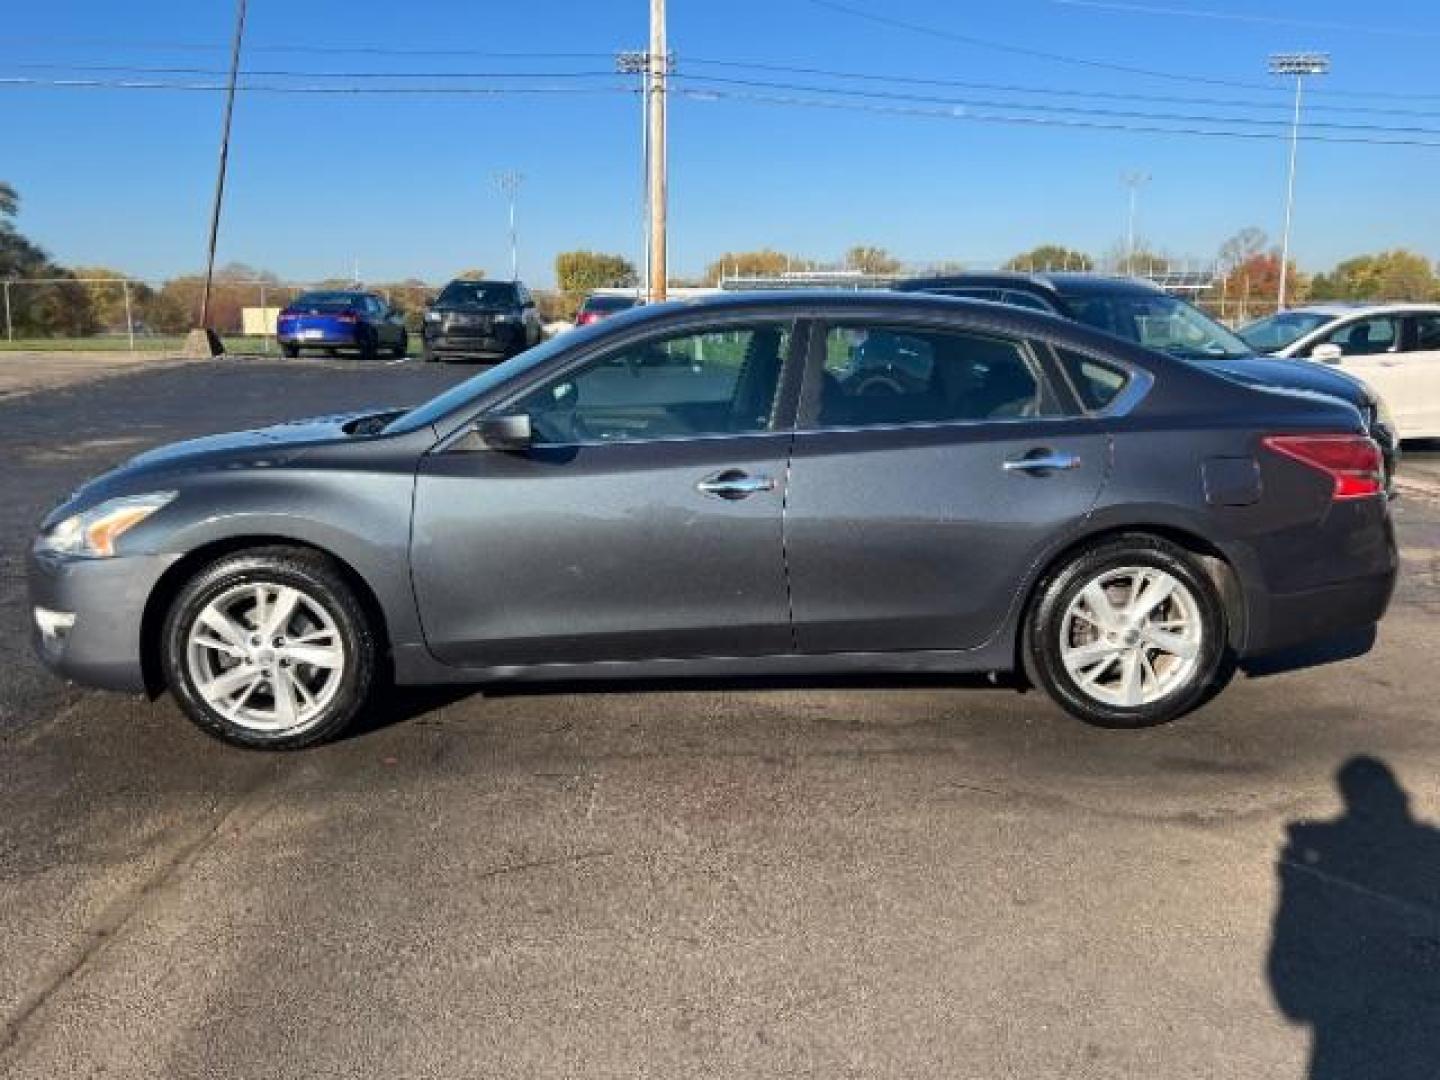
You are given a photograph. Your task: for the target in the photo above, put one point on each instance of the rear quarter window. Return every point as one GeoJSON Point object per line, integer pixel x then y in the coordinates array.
{"type": "Point", "coordinates": [1095, 382]}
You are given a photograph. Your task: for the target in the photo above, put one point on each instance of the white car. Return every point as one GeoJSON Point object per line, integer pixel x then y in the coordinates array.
{"type": "Point", "coordinates": [1395, 348]}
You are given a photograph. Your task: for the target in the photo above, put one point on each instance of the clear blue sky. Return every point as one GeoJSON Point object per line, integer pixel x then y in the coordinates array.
{"type": "Point", "coordinates": [402, 184]}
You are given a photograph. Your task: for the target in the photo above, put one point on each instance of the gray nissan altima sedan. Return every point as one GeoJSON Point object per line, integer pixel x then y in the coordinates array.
{"type": "Point", "coordinates": [783, 483]}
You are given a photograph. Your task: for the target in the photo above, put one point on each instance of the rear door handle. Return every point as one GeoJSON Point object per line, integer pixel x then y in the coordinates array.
{"type": "Point", "coordinates": [1042, 461]}
{"type": "Point", "coordinates": [734, 484]}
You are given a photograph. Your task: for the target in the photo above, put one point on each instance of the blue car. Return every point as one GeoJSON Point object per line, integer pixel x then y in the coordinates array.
{"type": "Point", "coordinates": [342, 320]}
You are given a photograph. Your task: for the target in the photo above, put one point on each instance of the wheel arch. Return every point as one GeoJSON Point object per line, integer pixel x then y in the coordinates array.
{"type": "Point", "coordinates": [162, 596]}
{"type": "Point", "coordinates": [1220, 568]}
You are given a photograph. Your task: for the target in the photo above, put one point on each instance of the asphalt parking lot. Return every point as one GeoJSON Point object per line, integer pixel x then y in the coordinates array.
{"type": "Point", "coordinates": [909, 879]}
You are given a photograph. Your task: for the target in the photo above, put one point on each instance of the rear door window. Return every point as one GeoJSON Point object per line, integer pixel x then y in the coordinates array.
{"type": "Point", "coordinates": [880, 375]}
{"type": "Point", "coordinates": [1096, 384]}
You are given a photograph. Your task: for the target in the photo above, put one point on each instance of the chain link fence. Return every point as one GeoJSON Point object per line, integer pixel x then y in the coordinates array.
{"type": "Point", "coordinates": [114, 314]}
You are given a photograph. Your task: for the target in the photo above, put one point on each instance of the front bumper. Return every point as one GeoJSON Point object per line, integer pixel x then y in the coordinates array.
{"type": "Point", "coordinates": [107, 599]}
{"type": "Point", "coordinates": [500, 340]}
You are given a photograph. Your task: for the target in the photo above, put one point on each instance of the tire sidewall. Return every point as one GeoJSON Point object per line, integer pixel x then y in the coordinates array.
{"type": "Point", "coordinates": [312, 576]}
{"type": "Point", "coordinates": [1043, 630]}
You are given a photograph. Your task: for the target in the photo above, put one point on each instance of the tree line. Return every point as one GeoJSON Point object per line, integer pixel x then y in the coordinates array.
{"type": "Point", "coordinates": [85, 300]}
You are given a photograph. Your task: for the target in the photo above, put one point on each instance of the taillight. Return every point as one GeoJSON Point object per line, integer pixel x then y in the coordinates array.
{"type": "Point", "coordinates": [585, 318]}
{"type": "Point", "coordinates": [345, 316]}
{"type": "Point", "coordinates": [1352, 461]}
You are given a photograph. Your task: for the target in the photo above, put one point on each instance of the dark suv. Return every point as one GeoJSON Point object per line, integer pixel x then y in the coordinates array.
{"type": "Point", "coordinates": [489, 320]}
{"type": "Point", "coordinates": [1142, 312]}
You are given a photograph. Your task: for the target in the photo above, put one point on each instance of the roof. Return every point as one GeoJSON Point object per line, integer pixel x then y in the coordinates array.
{"type": "Point", "coordinates": [1342, 308]}
{"type": "Point", "coordinates": [1071, 284]}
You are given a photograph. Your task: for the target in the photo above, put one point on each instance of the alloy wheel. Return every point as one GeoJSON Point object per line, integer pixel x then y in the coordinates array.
{"type": "Point", "coordinates": [267, 656]}
{"type": "Point", "coordinates": [1132, 636]}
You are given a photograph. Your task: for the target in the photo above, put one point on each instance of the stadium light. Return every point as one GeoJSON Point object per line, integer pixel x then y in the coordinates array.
{"type": "Point", "coordinates": [1298, 65]}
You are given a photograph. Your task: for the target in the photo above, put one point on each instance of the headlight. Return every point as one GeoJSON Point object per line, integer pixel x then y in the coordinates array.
{"type": "Point", "coordinates": [503, 317]}
{"type": "Point", "coordinates": [94, 532]}
{"type": "Point", "coordinates": [432, 316]}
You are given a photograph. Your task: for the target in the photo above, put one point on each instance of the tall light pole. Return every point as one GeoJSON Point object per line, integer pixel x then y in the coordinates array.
{"type": "Point", "coordinates": [657, 192]}
{"type": "Point", "coordinates": [1134, 181]}
{"type": "Point", "coordinates": [509, 181]}
{"type": "Point", "coordinates": [1298, 65]}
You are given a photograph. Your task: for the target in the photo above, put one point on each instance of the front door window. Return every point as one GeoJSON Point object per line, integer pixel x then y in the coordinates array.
{"type": "Point", "coordinates": [709, 382]}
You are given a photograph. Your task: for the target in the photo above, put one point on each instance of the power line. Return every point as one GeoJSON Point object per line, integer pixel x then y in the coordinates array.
{"type": "Point", "coordinates": [1022, 50]}
{"type": "Point", "coordinates": [306, 49]}
{"type": "Point", "coordinates": [21, 82]}
{"type": "Point", "coordinates": [973, 116]}
{"type": "Point", "coordinates": [1077, 110]}
{"type": "Point", "coordinates": [1078, 61]}
{"type": "Point", "coordinates": [869, 77]}
{"type": "Point", "coordinates": [1051, 91]}
{"type": "Point", "coordinates": [1094, 120]}
{"type": "Point", "coordinates": [1235, 16]}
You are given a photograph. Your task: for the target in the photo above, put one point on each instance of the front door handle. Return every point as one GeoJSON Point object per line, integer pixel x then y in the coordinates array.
{"type": "Point", "coordinates": [1042, 461]}
{"type": "Point", "coordinates": [734, 484]}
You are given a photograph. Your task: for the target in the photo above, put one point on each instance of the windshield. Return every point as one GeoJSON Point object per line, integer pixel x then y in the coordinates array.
{"type": "Point", "coordinates": [332, 301]}
{"type": "Point", "coordinates": [1158, 321]}
{"type": "Point", "coordinates": [1282, 330]}
{"type": "Point", "coordinates": [478, 292]}
{"type": "Point", "coordinates": [471, 389]}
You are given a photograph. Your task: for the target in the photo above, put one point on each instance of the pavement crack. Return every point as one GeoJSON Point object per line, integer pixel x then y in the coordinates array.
{"type": "Point", "coordinates": [112, 922]}
{"type": "Point", "coordinates": [542, 864]}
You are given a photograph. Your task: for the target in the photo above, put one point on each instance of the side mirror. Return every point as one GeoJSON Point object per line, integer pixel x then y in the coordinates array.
{"type": "Point", "coordinates": [511, 432]}
{"type": "Point", "coordinates": [1328, 353]}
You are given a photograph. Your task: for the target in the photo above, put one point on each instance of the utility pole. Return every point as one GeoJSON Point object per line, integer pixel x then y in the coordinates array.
{"type": "Point", "coordinates": [659, 71]}
{"type": "Point", "coordinates": [509, 181]}
{"type": "Point", "coordinates": [1133, 181]}
{"type": "Point", "coordinates": [1298, 65]}
{"type": "Point", "coordinates": [206, 337]}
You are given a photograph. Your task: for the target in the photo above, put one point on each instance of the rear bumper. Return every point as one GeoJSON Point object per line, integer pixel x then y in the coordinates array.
{"type": "Point", "coordinates": [1351, 590]}
{"type": "Point", "coordinates": [319, 337]}
{"type": "Point", "coordinates": [103, 601]}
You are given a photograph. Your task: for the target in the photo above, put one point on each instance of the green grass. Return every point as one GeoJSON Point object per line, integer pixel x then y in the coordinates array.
{"type": "Point", "coordinates": [166, 344]}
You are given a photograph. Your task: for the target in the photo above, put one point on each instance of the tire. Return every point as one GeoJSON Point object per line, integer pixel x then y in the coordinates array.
{"type": "Point", "coordinates": [367, 344]}
{"type": "Point", "coordinates": [290, 352]}
{"type": "Point", "coordinates": [197, 654]}
{"type": "Point", "coordinates": [427, 354]}
{"type": "Point", "coordinates": [1100, 675]}
{"type": "Point", "coordinates": [401, 349]}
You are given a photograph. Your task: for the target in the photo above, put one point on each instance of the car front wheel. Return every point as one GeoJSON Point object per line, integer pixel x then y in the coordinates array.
{"type": "Point", "coordinates": [269, 649]}
{"type": "Point", "coordinates": [1129, 633]}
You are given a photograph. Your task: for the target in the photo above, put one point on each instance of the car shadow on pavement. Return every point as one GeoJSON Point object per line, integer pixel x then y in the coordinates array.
{"type": "Point", "coordinates": [1355, 951]}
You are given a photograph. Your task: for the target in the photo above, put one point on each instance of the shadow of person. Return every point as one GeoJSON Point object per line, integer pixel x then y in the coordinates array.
{"type": "Point", "coordinates": [1355, 952]}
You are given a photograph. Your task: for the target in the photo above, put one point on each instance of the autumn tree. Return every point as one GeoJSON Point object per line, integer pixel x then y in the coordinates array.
{"type": "Point", "coordinates": [1387, 275]}
{"type": "Point", "coordinates": [763, 263]}
{"type": "Point", "coordinates": [106, 293]}
{"type": "Point", "coordinates": [1050, 257]}
{"type": "Point", "coordinates": [1244, 245]}
{"type": "Point", "coordinates": [53, 308]}
{"type": "Point", "coordinates": [1257, 277]}
{"type": "Point", "coordinates": [871, 260]}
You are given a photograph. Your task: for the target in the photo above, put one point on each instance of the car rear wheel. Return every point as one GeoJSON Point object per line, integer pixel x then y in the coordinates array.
{"type": "Point", "coordinates": [1128, 634]}
{"type": "Point", "coordinates": [269, 649]}
{"type": "Point", "coordinates": [401, 348]}
{"type": "Point", "coordinates": [365, 341]}
{"type": "Point", "coordinates": [290, 351]}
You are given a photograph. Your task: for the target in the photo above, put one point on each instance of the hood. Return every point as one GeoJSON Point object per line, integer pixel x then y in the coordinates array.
{"type": "Point", "coordinates": [256, 448]}
{"type": "Point", "coordinates": [1304, 375]}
